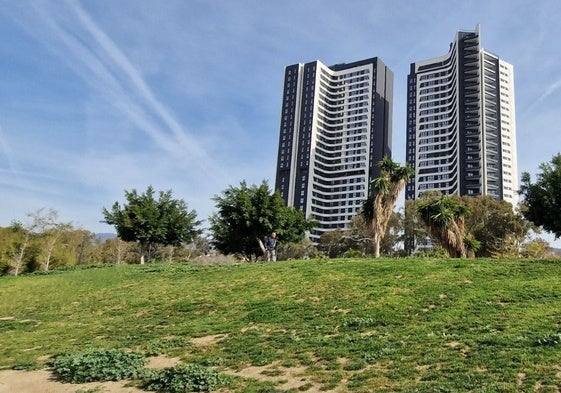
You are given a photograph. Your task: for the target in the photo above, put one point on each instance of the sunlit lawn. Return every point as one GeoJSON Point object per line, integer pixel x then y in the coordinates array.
{"type": "Point", "coordinates": [357, 325]}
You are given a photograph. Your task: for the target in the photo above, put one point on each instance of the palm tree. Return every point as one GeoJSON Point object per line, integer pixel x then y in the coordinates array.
{"type": "Point", "coordinates": [444, 216]}
{"type": "Point", "coordinates": [387, 187]}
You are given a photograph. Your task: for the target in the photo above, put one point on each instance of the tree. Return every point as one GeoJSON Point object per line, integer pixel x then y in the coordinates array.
{"type": "Point", "coordinates": [10, 244]}
{"type": "Point", "coordinates": [22, 239]}
{"type": "Point", "coordinates": [542, 199]}
{"type": "Point", "coordinates": [49, 232]}
{"type": "Point", "coordinates": [495, 224]}
{"type": "Point", "coordinates": [361, 234]}
{"type": "Point", "coordinates": [445, 217]}
{"type": "Point", "coordinates": [118, 251]}
{"type": "Point", "coordinates": [334, 243]}
{"type": "Point", "coordinates": [360, 231]}
{"type": "Point", "coordinates": [151, 221]}
{"type": "Point", "coordinates": [304, 249]}
{"type": "Point", "coordinates": [537, 249]}
{"type": "Point", "coordinates": [414, 228]}
{"type": "Point", "coordinates": [387, 188]}
{"type": "Point", "coordinates": [246, 214]}
{"type": "Point", "coordinates": [39, 224]}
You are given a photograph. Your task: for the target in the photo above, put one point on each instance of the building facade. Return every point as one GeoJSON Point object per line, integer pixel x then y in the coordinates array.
{"type": "Point", "coordinates": [461, 126]}
{"type": "Point", "coordinates": [335, 126]}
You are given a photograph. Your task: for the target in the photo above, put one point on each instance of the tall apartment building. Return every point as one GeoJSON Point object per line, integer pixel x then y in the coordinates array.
{"type": "Point", "coordinates": [335, 126]}
{"type": "Point", "coordinates": [461, 129]}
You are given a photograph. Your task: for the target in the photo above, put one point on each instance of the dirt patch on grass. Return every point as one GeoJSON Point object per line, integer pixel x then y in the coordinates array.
{"type": "Point", "coordinates": [12, 381]}
{"type": "Point", "coordinates": [285, 378]}
{"type": "Point", "coordinates": [162, 362]}
{"type": "Point", "coordinates": [207, 340]}
{"type": "Point", "coordinates": [16, 381]}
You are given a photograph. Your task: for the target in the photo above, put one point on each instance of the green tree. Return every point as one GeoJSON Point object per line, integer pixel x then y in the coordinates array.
{"type": "Point", "coordinates": [304, 249]}
{"type": "Point", "coordinates": [542, 199]}
{"type": "Point", "coordinates": [246, 214]}
{"type": "Point", "coordinates": [15, 241]}
{"type": "Point", "coordinates": [10, 243]}
{"type": "Point", "coordinates": [28, 235]}
{"type": "Point", "coordinates": [387, 187]}
{"type": "Point", "coordinates": [495, 224]}
{"type": "Point", "coordinates": [361, 233]}
{"type": "Point", "coordinates": [445, 217]}
{"type": "Point", "coordinates": [414, 228]}
{"type": "Point", "coordinates": [537, 249]}
{"type": "Point", "coordinates": [335, 243]}
{"type": "Point", "coordinates": [150, 221]}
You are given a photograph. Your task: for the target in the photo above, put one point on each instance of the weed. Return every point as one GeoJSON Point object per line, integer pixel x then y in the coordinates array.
{"type": "Point", "coordinates": [161, 345]}
{"type": "Point", "coordinates": [549, 339]}
{"type": "Point", "coordinates": [98, 365]}
{"type": "Point", "coordinates": [181, 378]}
{"type": "Point", "coordinates": [27, 366]}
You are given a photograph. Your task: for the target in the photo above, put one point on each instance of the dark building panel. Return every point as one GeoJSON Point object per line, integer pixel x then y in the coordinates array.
{"type": "Point", "coordinates": [326, 126]}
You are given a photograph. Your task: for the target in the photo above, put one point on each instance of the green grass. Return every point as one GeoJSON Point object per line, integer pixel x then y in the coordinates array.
{"type": "Point", "coordinates": [399, 325]}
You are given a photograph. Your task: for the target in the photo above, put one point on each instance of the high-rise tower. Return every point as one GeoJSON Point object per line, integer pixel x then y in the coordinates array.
{"type": "Point", "coordinates": [335, 127]}
{"type": "Point", "coordinates": [461, 128]}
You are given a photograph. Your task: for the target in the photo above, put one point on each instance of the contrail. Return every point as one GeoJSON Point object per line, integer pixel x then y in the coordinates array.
{"type": "Point", "coordinates": [550, 90]}
{"type": "Point", "coordinates": [109, 47]}
{"type": "Point", "coordinates": [97, 59]}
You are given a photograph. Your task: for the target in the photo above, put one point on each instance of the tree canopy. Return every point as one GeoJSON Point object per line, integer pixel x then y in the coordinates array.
{"type": "Point", "coordinates": [542, 199]}
{"type": "Point", "coordinates": [148, 221]}
{"type": "Point", "coordinates": [496, 225]}
{"type": "Point", "coordinates": [445, 217]}
{"type": "Point", "coordinates": [246, 214]}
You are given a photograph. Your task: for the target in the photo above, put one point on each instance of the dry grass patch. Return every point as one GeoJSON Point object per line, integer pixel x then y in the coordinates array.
{"type": "Point", "coordinates": [208, 340]}
{"type": "Point", "coordinates": [285, 378]}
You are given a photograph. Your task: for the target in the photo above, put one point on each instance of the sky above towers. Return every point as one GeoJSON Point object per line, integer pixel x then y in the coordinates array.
{"type": "Point", "coordinates": [98, 97]}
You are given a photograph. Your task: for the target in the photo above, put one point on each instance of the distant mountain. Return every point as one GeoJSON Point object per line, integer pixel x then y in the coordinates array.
{"type": "Point", "coordinates": [105, 236]}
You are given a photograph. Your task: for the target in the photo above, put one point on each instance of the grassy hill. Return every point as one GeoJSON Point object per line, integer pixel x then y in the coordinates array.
{"type": "Point", "coordinates": [354, 325]}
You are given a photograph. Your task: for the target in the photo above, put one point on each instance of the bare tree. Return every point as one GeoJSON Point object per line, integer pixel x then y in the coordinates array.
{"type": "Point", "coordinates": [39, 223]}
{"type": "Point", "coordinates": [51, 231]}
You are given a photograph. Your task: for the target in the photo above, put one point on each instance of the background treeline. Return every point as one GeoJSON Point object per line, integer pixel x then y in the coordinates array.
{"type": "Point", "coordinates": [497, 229]}
{"type": "Point", "coordinates": [156, 226]}
{"type": "Point", "coordinates": [44, 243]}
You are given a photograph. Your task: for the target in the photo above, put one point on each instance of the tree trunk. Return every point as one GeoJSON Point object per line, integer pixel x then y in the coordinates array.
{"type": "Point", "coordinates": [142, 253]}
{"type": "Point", "coordinates": [19, 257]}
{"type": "Point", "coordinates": [261, 246]}
{"type": "Point", "coordinates": [376, 248]}
{"type": "Point", "coordinates": [50, 247]}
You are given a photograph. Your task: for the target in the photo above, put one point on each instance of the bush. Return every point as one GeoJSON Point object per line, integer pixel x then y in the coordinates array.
{"type": "Point", "coordinates": [352, 253]}
{"type": "Point", "coordinates": [181, 379]}
{"type": "Point", "coordinates": [98, 365]}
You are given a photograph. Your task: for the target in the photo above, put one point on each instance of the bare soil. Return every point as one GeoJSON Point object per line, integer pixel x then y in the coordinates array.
{"type": "Point", "coordinates": [42, 381]}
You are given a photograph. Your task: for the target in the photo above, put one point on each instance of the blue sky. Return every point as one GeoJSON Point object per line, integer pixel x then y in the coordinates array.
{"type": "Point", "coordinates": [98, 97]}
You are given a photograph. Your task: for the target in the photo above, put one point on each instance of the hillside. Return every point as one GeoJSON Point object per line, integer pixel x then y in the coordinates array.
{"type": "Point", "coordinates": [402, 325]}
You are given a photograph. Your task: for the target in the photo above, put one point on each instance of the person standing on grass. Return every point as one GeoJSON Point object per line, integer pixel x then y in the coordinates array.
{"type": "Point", "coordinates": [271, 247]}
